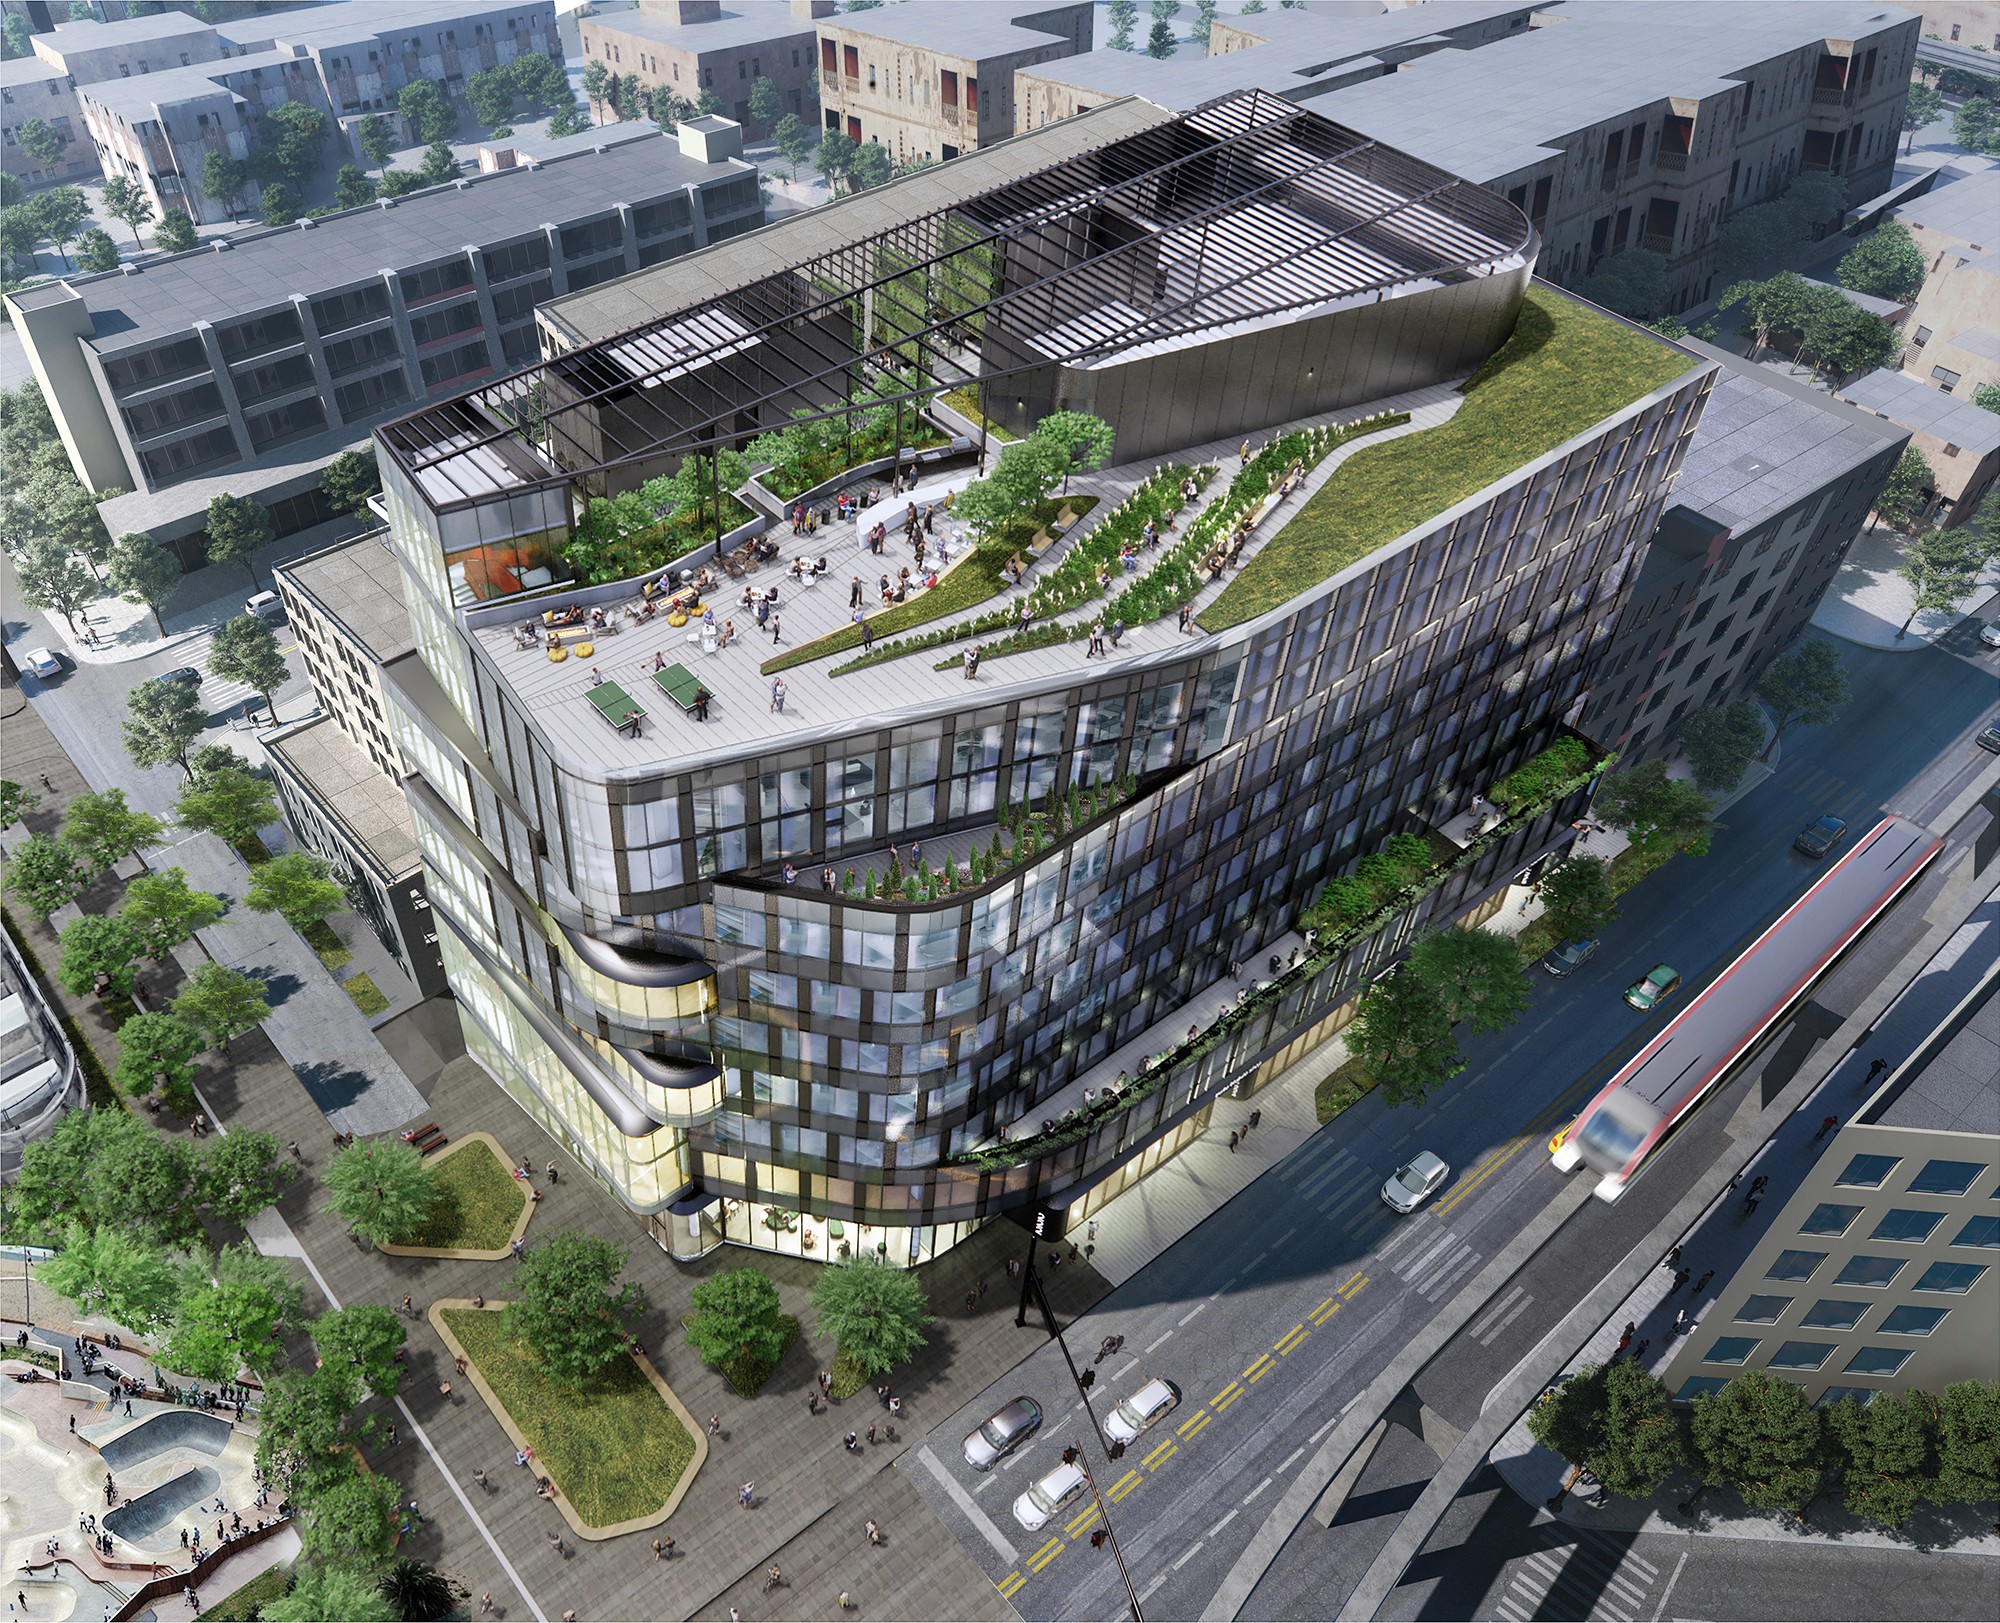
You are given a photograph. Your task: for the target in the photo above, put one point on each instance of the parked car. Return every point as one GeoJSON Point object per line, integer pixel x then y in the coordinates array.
{"type": "Point", "coordinates": [1657, 985]}
{"type": "Point", "coordinates": [1990, 739]}
{"type": "Point", "coordinates": [1152, 1403]}
{"type": "Point", "coordinates": [1048, 1498]}
{"type": "Point", "coordinates": [265, 606]}
{"type": "Point", "coordinates": [181, 673]}
{"type": "Point", "coordinates": [1989, 633]}
{"type": "Point", "coordinates": [1821, 838]}
{"type": "Point", "coordinates": [1414, 1182]}
{"type": "Point", "coordinates": [43, 662]}
{"type": "Point", "coordinates": [1570, 956]}
{"type": "Point", "coordinates": [1000, 1434]}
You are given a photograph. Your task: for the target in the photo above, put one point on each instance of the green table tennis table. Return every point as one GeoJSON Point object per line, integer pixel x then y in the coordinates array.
{"type": "Point", "coordinates": [615, 705]}
{"type": "Point", "coordinates": [679, 684]}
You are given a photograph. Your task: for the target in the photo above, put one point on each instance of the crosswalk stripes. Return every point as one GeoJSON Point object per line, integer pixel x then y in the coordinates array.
{"type": "Point", "coordinates": [1332, 1167]}
{"type": "Point", "coordinates": [1442, 1280]}
{"type": "Point", "coordinates": [1494, 1321]}
{"type": "Point", "coordinates": [1581, 1574]}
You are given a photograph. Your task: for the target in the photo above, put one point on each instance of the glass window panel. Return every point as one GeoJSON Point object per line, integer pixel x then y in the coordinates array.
{"type": "Point", "coordinates": [1950, 1278]}
{"type": "Point", "coordinates": [1834, 1313]}
{"type": "Point", "coordinates": [1827, 1218]}
{"type": "Point", "coordinates": [1699, 1385]}
{"type": "Point", "coordinates": [832, 1001]}
{"type": "Point", "coordinates": [1877, 1361]}
{"type": "Point", "coordinates": [1867, 1171]}
{"type": "Point", "coordinates": [1795, 1265]}
{"type": "Point", "coordinates": [1801, 1355]}
{"type": "Point", "coordinates": [1874, 1272]}
{"type": "Point", "coordinates": [1863, 1395]}
{"type": "Point", "coordinates": [1910, 1320]}
{"type": "Point", "coordinates": [1945, 1177]}
{"type": "Point", "coordinates": [1762, 1309]}
{"type": "Point", "coordinates": [1905, 1225]}
{"type": "Point", "coordinates": [1983, 1232]}
{"type": "Point", "coordinates": [1730, 1350]}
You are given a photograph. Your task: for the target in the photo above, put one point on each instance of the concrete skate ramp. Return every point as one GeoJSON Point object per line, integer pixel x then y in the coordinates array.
{"type": "Point", "coordinates": [170, 1428]}
{"type": "Point", "coordinates": [139, 1519]}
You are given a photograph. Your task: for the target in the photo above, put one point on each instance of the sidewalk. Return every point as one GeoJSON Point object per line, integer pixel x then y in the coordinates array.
{"type": "Point", "coordinates": [1868, 601]}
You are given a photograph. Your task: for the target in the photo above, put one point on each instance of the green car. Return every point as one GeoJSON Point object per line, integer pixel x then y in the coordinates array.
{"type": "Point", "coordinates": [1660, 983]}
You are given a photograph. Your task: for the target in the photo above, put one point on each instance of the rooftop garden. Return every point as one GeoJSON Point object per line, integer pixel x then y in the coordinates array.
{"type": "Point", "coordinates": [811, 449]}
{"type": "Point", "coordinates": [664, 519]}
{"type": "Point", "coordinates": [1565, 368]}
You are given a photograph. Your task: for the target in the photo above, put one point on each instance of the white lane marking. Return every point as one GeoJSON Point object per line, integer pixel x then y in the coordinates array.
{"type": "Point", "coordinates": [1146, 1594]}
{"type": "Point", "coordinates": [1479, 1326]}
{"type": "Point", "coordinates": [1295, 1453]}
{"type": "Point", "coordinates": [1252, 1494]}
{"type": "Point", "coordinates": [979, 1519]}
{"type": "Point", "coordinates": [1151, 1345]}
{"type": "Point", "coordinates": [1198, 1308]}
{"type": "Point", "coordinates": [1660, 1610]}
{"type": "Point", "coordinates": [1512, 1314]}
{"type": "Point", "coordinates": [1184, 1560]}
{"type": "Point", "coordinates": [1218, 1527]}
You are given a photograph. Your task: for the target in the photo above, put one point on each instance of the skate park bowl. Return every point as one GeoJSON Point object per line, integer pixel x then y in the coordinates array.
{"type": "Point", "coordinates": [137, 1520]}
{"type": "Point", "coordinates": [171, 1428]}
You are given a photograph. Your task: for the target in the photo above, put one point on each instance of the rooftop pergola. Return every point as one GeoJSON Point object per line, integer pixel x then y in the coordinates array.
{"type": "Point", "coordinates": [1246, 213]}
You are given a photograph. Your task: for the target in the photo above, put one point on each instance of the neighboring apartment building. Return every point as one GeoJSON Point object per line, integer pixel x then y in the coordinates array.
{"type": "Point", "coordinates": [1953, 329]}
{"type": "Point", "coordinates": [1882, 1273]}
{"type": "Point", "coordinates": [132, 48]}
{"type": "Point", "coordinates": [930, 79]}
{"type": "Point", "coordinates": [1612, 124]}
{"type": "Point", "coordinates": [691, 46]}
{"type": "Point", "coordinates": [1777, 485]}
{"type": "Point", "coordinates": [1959, 440]}
{"type": "Point", "coordinates": [30, 88]}
{"type": "Point", "coordinates": [339, 773]}
{"type": "Point", "coordinates": [746, 1060]}
{"type": "Point", "coordinates": [243, 366]}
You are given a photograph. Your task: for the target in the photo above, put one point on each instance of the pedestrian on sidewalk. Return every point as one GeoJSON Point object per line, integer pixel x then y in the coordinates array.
{"type": "Point", "coordinates": [409, 1307]}
{"type": "Point", "coordinates": [1673, 1260]}
{"type": "Point", "coordinates": [1681, 1277]}
{"type": "Point", "coordinates": [851, 1443]}
{"type": "Point", "coordinates": [1875, 1068]}
{"type": "Point", "coordinates": [772, 1579]}
{"type": "Point", "coordinates": [874, 1532]}
{"type": "Point", "coordinates": [659, 1550]}
{"type": "Point", "coordinates": [1681, 1322]}
{"type": "Point", "coordinates": [1826, 1127]}
{"type": "Point", "coordinates": [458, 1363]}
{"type": "Point", "coordinates": [480, 1478]}
{"type": "Point", "coordinates": [715, 1425]}
{"type": "Point", "coordinates": [392, 1434]}
{"type": "Point", "coordinates": [486, 1603]}
{"type": "Point", "coordinates": [1090, 1229]}
{"type": "Point", "coordinates": [1232, 1142]}
{"type": "Point", "coordinates": [745, 1493]}
{"type": "Point", "coordinates": [556, 1542]}
{"type": "Point", "coordinates": [871, 1434]}
{"type": "Point", "coordinates": [1701, 1284]}
{"type": "Point", "coordinates": [553, 1177]}
{"type": "Point", "coordinates": [1256, 1118]}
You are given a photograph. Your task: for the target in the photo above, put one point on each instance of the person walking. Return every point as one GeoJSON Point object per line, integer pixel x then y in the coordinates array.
{"type": "Point", "coordinates": [745, 1493]}
{"type": "Point", "coordinates": [778, 693]}
{"type": "Point", "coordinates": [851, 1442]}
{"type": "Point", "coordinates": [409, 1308]}
{"type": "Point", "coordinates": [1673, 1260]}
{"type": "Point", "coordinates": [1826, 1127]}
{"type": "Point", "coordinates": [479, 1478]}
{"type": "Point", "coordinates": [1681, 1277]}
{"type": "Point", "coordinates": [874, 1532]}
{"type": "Point", "coordinates": [867, 634]}
{"type": "Point", "coordinates": [1701, 1284]}
{"type": "Point", "coordinates": [715, 1425]}
{"type": "Point", "coordinates": [1875, 1068]}
{"type": "Point", "coordinates": [553, 1178]}
{"type": "Point", "coordinates": [854, 594]}
{"type": "Point", "coordinates": [659, 1550]}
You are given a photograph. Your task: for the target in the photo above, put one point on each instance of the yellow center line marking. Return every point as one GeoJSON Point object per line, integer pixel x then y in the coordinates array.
{"type": "Point", "coordinates": [1011, 1585]}
{"type": "Point", "coordinates": [1292, 1338]}
{"type": "Point", "coordinates": [1081, 1522]}
{"type": "Point", "coordinates": [1193, 1427]}
{"type": "Point", "coordinates": [1354, 1286]}
{"type": "Point", "coordinates": [1258, 1370]}
{"type": "Point", "coordinates": [1329, 1305]}
{"type": "Point", "coordinates": [1047, 1553]}
{"type": "Point", "coordinates": [1228, 1395]}
{"type": "Point", "coordinates": [1124, 1485]}
{"type": "Point", "coordinates": [1165, 1451]}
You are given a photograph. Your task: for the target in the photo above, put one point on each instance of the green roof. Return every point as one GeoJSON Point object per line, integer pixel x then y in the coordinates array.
{"type": "Point", "coordinates": [1567, 367]}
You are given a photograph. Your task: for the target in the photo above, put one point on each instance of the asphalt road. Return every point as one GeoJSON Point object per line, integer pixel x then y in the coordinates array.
{"type": "Point", "coordinates": [1272, 1315]}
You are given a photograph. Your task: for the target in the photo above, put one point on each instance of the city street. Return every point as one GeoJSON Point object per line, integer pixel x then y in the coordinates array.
{"type": "Point", "coordinates": [1275, 1313]}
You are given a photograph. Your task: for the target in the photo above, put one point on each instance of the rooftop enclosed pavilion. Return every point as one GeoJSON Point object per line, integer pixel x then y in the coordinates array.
{"type": "Point", "coordinates": [1185, 278]}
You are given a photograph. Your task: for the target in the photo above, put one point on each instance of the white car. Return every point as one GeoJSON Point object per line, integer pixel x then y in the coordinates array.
{"type": "Point", "coordinates": [1989, 633]}
{"type": "Point", "coordinates": [1050, 1497]}
{"type": "Point", "coordinates": [42, 662]}
{"type": "Point", "coordinates": [1152, 1403]}
{"type": "Point", "coordinates": [1415, 1182]}
{"type": "Point", "coordinates": [264, 606]}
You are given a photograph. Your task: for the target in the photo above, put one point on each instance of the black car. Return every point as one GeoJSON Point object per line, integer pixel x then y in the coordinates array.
{"type": "Point", "coordinates": [185, 674]}
{"type": "Point", "coordinates": [1990, 739]}
{"type": "Point", "coordinates": [1571, 955]}
{"type": "Point", "coordinates": [1821, 838]}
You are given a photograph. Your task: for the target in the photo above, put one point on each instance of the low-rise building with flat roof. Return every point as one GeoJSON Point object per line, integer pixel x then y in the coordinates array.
{"type": "Point", "coordinates": [89, 51]}
{"type": "Point", "coordinates": [1953, 328]}
{"type": "Point", "coordinates": [244, 365]}
{"type": "Point", "coordinates": [692, 46]}
{"type": "Point", "coordinates": [30, 88]}
{"type": "Point", "coordinates": [1959, 440]}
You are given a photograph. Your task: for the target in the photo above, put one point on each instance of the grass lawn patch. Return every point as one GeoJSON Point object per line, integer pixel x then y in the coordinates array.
{"type": "Point", "coordinates": [966, 403]}
{"type": "Point", "coordinates": [611, 1445]}
{"type": "Point", "coordinates": [245, 1605]}
{"type": "Point", "coordinates": [1564, 370]}
{"type": "Point", "coordinates": [479, 1200]}
{"type": "Point", "coordinates": [333, 952]}
{"type": "Point", "coordinates": [848, 1377]}
{"type": "Point", "coordinates": [367, 995]}
{"type": "Point", "coordinates": [971, 581]}
{"type": "Point", "coordinates": [747, 1374]}
{"type": "Point", "coordinates": [1346, 1086]}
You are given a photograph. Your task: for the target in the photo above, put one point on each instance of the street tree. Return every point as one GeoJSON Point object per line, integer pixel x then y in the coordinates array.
{"type": "Point", "coordinates": [102, 829]}
{"type": "Point", "coordinates": [175, 234]}
{"type": "Point", "coordinates": [16, 801]}
{"type": "Point", "coordinates": [221, 1330]}
{"type": "Point", "coordinates": [1943, 567]}
{"type": "Point", "coordinates": [125, 199]}
{"type": "Point", "coordinates": [155, 1045]}
{"type": "Point", "coordinates": [596, 80]}
{"type": "Point", "coordinates": [298, 886]}
{"type": "Point", "coordinates": [1721, 742]}
{"type": "Point", "coordinates": [440, 163]}
{"type": "Point", "coordinates": [140, 570]}
{"type": "Point", "coordinates": [381, 1189]}
{"type": "Point", "coordinates": [144, 1181]}
{"type": "Point", "coordinates": [1753, 237]}
{"type": "Point", "coordinates": [209, 759]}
{"type": "Point", "coordinates": [1923, 105]}
{"type": "Point", "coordinates": [1633, 283]}
{"type": "Point", "coordinates": [111, 1272]}
{"type": "Point", "coordinates": [62, 511]}
{"type": "Point", "coordinates": [96, 252]}
{"type": "Point", "coordinates": [1577, 899]}
{"type": "Point", "coordinates": [1976, 125]}
{"type": "Point", "coordinates": [1568, 1420]}
{"type": "Point", "coordinates": [44, 874]}
{"type": "Point", "coordinates": [1887, 263]}
{"type": "Point", "coordinates": [94, 946]}
{"type": "Point", "coordinates": [349, 480]}
{"type": "Point", "coordinates": [229, 802]}
{"type": "Point", "coordinates": [20, 231]}
{"type": "Point", "coordinates": [351, 188]}
{"type": "Point", "coordinates": [223, 179]}
{"type": "Point", "coordinates": [1475, 974]}
{"type": "Point", "coordinates": [1888, 1451]}
{"type": "Point", "coordinates": [375, 138]}
{"type": "Point", "coordinates": [245, 649]}
{"type": "Point", "coordinates": [1655, 810]}
{"type": "Point", "coordinates": [834, 157]}
{"type": "Point", "coordinates": [362, 1340]}
{"type": "Point", "coordinates": [1121, 15]}
{"type": "Point", "coordinates": [569, 1308]}
{"type": "Point", "coordinates": [162, 721]}
{"type": "Point", "coordinates": [222, 1003]}
{"type": "Point", "coordinates": [1761, 1439]}
{"type": "Point", "coordinates": [490, 95]}
{"type": "Point", "coordinates": [334, 1594]}
{"type": "Point", "coordinates": [875, 1314]}
{"type": "Point", "coordinates": [1160, 43]}
{"type": "Point", "coordinates": [1641, 1440]}
{"type": "Point", "coordinates": [765, 107]}
{"type": "Point", "coordinates": [50, 578]}
{"type": "Point", "coordinates": [42, 141]}
{"type": "Point", "coordinates": [871, 167]}
{"type": "Point", "coordinates": [792, 140]}
{"type": "Point", "coordinates": [243, 1174]}
{"type": "Point", "coordinates": [275, 206]}
{"type": "Point", "coordinates": [428, 112]}
{"type": "Point", "coordinates": [1906, 494]}
{"type": "Point", "coordinates": [420, 1593]}
{"type": "Point", "coordinates": [736, 1316]}
{"type": "Point", "coordinates": [237, 527]}
{"type": "Point", "coordinates": [164, 910]}
{"type": "Point", "coordinates": [1968, 1444]}
{"type": "Point", "coordinates": [351, 1520]}
{"type": "Point", "coordinates": [302, 1428]}
{"type": "Point", "coordinates": [1804, 688]}
{"type": "Point", "coordinates": [62, 212]}
{"type": "Point", "coordinates": [1402, 1036]}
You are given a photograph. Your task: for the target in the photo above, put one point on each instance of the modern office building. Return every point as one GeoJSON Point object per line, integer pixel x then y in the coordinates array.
{"type": "Point", "coordinates": [750, 1060]}
{"type": "Point", "coordinates": [1959, 440]}
{"type": "Point", "coordinates": [1777, 485]}
{"type": "Point", "coordinates": [245, 365]}
{"type": "Point", "coordinates": [339, 773]}
{"type": "Point", "coordinates": [909, 76]}
{"type": "Point", "coordinates": [691, 46]}
{"type": "Point", "coordinates": [1613, 124]}
{"type": "Point", "coordinates": [1879, 1274]}
{"type": "Point", "coordinates": [30, 88]}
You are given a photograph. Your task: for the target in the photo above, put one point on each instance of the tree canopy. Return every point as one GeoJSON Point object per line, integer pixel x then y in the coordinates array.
{"type": "Point", "coordinates": [165, 910]}
{"type": "Point", "coordinates": [382, 1189]}
{"type": "Point", "coordinates": [1577, 899]}
{"type": "Point", "coordinates": [1654, 809]}
{"type": "Point", "coordinates": [102, 829]}
{"type": "Point", "coordinates": [44, 873]}
{"type": "Point", "coordinates": [1943, 567]}
{"type": "Point", "coordinates": [221, 1003]}
{"type": "Point", "coordinates": [363, 1339]}
{"type": "Point", "coordinates": [245, 649]}
{"type": "Point", "coordinates": [93, 946]}
{"type": "Point", "coordinates": [1887, 263]}
{"type": "Point", "coordinates": [349, 480]}
{"type": "Point", "coordinates": [141, 571]}
{"type": "Point", "coordinates": [237, 527]}
{"type": "Point", "coordinates": [298, 887]}
{"type": "Point", "coordinates": [569, 1308]}
{"type": "Point", "coordinates": [1402, 1034]}
{"type": "Point", "coordinates": [875, 1314]}
{"type": "Point", "coordinates": [229, 802]}
{"type": "Point", "coordinates": [735, 1316]}
{"type": "Point", "coordinates": [1804, 688]}
{"type": "Point", "coordinates": [1721, 742]}
{"type": "Point", "coordinates": [1760, 1438]}
{"type": "Point", "coordinates": [1475, 974]}
{"type": "Point", "coordinates": [156, 1044]}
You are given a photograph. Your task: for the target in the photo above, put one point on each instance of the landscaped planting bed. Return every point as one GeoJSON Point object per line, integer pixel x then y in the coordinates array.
{"type": "Point", "coordinates": [479, 1200]}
